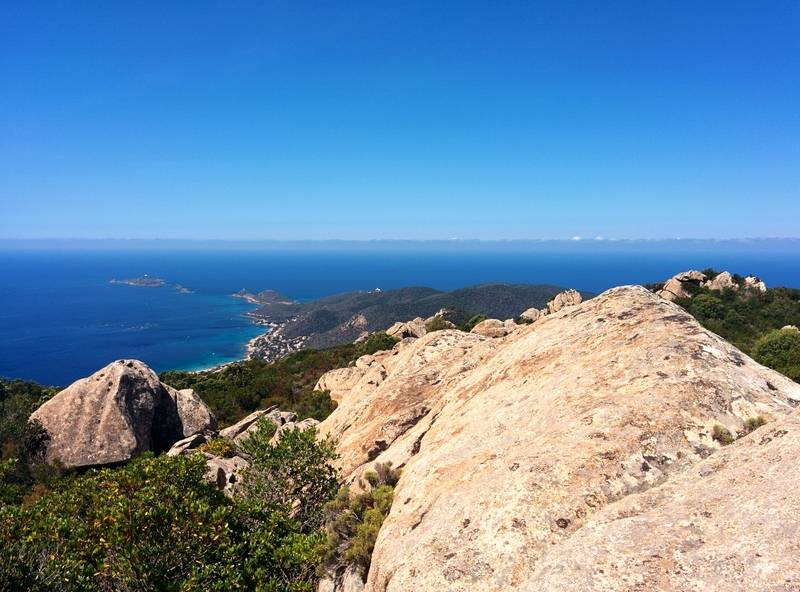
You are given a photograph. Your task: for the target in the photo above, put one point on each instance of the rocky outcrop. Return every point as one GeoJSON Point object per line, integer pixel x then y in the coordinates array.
{"type": "Point", "coordinates": [415, 328]}
{"type": "Point", "coordinates": [753, 283]}
{"type": "Point", "coordinates": [728, 523]}
{"type": "Point", "coordinates": [494, 328]}
{"type": "Point", "coordinates": [722, 281]}
{"type": "Point", "coordinates": [225, 473]}
{"type": "Point", "coordinates": [531, 315]}
{"type": "Point", "coordinates": [117, 413]}
{"type": "Point", "coordinates": [679, 286]}
{"type": "Point", "coordinates": [532, 458]}
{"type": "Point", "coordinates": [249, 425]}
{"type": "Point", "coordinates": [564, 299]}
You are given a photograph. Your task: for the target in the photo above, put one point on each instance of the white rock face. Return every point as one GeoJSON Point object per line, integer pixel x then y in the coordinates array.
{"type": "Point", "coordinates": [754, 283]}
{"type": "Point", "coordinates": [522, 456]}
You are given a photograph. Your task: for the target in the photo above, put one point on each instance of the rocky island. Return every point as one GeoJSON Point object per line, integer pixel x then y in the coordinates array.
{"type": "Point", "coordinates": [144, 281]}
{"type": "Point", "coordinates": [148, 281]}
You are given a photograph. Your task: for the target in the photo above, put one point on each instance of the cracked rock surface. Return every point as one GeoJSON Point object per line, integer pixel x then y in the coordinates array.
{"type": "Point", "coordinates": [530, 460]}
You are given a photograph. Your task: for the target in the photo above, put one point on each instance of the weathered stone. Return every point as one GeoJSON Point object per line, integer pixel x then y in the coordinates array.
{"type": "Point", "coordinates": [491, 328]}
{"type": "Point", "coordinates": [676, 287]}
{"type": "Point", "coordinates": [240, 427]}
{"type": "Point", "coordinates": [728, 523]}
{"type": "Point", "coordinates": [510, 447]}
{"type": "Point", "coordinates": [117, 413]}
{"type": "Point", "coordinates": [415, 328]}
{"type": "Point", "coordinates": [563, 299]}
{"type": "Point", "coordinates": [753, 283]}
{"type": "Point", "coordinates": [294, 425]}
{"type": "Point", "coordinates": [225, 473]}
{"type": "Point", "coordinates": [531, 315]}
{"type": "Point", "coordinates": [723, 281]}
{"type": "Point", "coordinates": [187, 444]}
{"type": "Point", "coordinates": [249, 425]}
{"type": "Point", "coordinates": [339, 382]}
{"type": "Point", "coordinates": [347, 580]}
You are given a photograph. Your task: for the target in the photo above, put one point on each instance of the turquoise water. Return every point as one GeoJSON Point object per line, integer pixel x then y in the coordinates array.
{"type": "Point", "coordinates": [61, 319]}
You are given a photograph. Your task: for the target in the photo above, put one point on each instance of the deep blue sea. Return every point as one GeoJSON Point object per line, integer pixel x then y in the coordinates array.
{"type": "Point", "coordinates": [61, 319]}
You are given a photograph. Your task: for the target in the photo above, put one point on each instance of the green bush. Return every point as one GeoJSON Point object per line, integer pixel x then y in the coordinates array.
{"type": "Point", "coordinates": [753, 423]}
{"type": "Point", "coordinates": [219, 447]}
{"type": "Point", "coordinates": [722, 435]}
{"type": "Point", "coordinates": [706, 306]}
{"type": "Point", "coordinates": [155, 524]}
{"type": "Point", "coordinates": [780, 350]}
{"type": "Point", "coordinates": [353, 521]}
{"type": "Point", "coordinates": [438, 324]}
{"type": "Point", "coordinates": [376, 342]}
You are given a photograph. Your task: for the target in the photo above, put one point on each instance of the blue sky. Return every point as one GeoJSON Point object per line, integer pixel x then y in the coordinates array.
{"type": "Point", "coordinates": [412, 120]}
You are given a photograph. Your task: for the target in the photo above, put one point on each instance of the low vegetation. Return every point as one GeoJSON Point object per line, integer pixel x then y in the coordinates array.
{"type": "Point", "coordinates": [753, 321]}
{"type": "Point", "coordinates": [722, 435]}
{"type": "Point", "coordinates": [753, 423]}
{"type": "Point", "coordinates": [156, 524]}
{"type": "Point", "coordinates": [353, 520]}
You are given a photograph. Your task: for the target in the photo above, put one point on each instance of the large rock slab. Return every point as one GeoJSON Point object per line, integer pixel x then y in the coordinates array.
{"type": "Point", "coordinates": [117, 413]}
{"type": "Point", "coordinates": [728, 524]}
{"type": "Point", "coordinates": [509, 447]}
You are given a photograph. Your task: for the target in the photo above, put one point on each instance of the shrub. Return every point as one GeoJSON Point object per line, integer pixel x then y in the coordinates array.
{"type": "Point", "coordinates": [353, 521]}
{"type": "Point", "coordinates": [438, 324]}
{"type": "Point", "coordinates": [722, 435]}
{"type": "Point", "coordinates": [706, 306]}
{"type": "Point", "coordinates": [780, 350]}
{"type": "Point", "coordinates": [753, 423]}
{"type": "Point", "coordinates": [292, 477]}
{"type": "Point", "coordinates": [155, 524]}
{"type": "Point", "coordinates": [376, 342]}
{"type": "Point", "coordinates": [219, 447]}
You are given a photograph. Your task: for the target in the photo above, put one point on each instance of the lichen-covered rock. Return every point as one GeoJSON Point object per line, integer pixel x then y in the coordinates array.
{"type": "Point", "coordinates": [564, 299]}
{"type": "Point", "coordinates": [510, 447]}
{"type": "Point", "coordinates": [117, 413]}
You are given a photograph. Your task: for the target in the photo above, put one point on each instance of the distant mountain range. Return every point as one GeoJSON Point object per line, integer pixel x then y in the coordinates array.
{"type": "Point", "coordinates": [341, 318]}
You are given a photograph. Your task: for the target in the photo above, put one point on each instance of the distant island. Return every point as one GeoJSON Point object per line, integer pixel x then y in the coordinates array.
{"type": "Point", "coordinates": [144, 281]}
{"type": "Point", "coordinates": [148, 281]}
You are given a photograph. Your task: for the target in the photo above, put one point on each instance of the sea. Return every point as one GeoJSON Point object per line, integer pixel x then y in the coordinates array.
{"type": "Point", "coordinates": [61, 318]}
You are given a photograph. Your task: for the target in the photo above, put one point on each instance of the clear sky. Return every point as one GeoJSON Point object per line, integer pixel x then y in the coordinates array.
{"type": "Point", "coordinates": [373, 119]}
